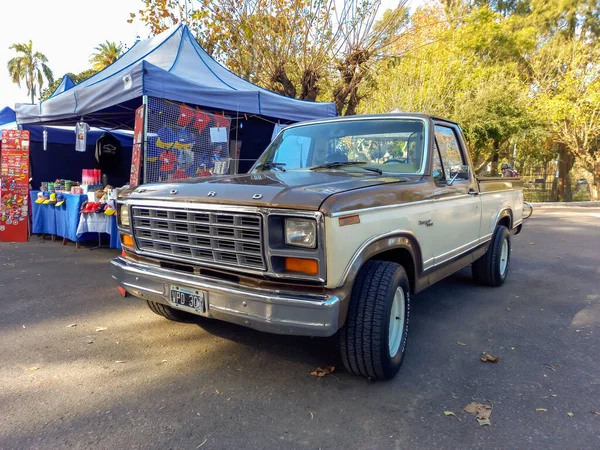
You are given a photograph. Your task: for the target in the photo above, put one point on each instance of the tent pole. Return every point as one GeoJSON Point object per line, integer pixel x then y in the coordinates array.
{"type": "Point", "coordinates": [144, 136]}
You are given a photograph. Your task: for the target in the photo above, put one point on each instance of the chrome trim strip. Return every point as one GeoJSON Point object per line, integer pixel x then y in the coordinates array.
{"type": "Point", "coordinates": [379, 208]}
{"type": "Point", "coordinates": [495, 192]}
{"type": "Point", "coordinates": [456, 252]}
{"type": "Point", "coordinates": [454, 197]}
{"type": "Point", "coordinates": [517, 223]}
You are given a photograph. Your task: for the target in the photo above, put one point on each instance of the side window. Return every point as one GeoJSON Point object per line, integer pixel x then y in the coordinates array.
{"type": "Point", "coordinates": [449, 149]}
{"type": "Point", "coordinates": [438, 170]}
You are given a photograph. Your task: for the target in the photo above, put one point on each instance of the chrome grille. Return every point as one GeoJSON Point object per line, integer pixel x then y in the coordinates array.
{"type": "Point", "coordinates": [227, 239]}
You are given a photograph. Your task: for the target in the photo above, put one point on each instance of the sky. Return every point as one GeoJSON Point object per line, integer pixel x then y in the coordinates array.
{"type": "Point", "coordinates": [67, 31]}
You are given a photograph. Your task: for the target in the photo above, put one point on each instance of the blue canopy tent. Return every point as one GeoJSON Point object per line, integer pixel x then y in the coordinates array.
{"type": "Point", "coordinates": [7, 116]}
{"type": "Point", "coordinates": [171, 65]}
{"type": "Point", "coordinates": [65, 84]}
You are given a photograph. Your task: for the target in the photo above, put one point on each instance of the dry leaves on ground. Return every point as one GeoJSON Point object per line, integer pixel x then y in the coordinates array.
{"type": "Point", "coordinates": [321, 372]}
{"type": "Point", "coordinates": [449, 413]}
{"type": "Point", "coordinates": [489, 358]}
{"type": "Point", "coordinates": [481, 411]}
{"type": "Point", "coordinates": [570, 414]}
{"type": "Point", "coordinates": [71, 325]}
{"type": "Point", "coordinates": [460, 343]}
{"type": "Point", "coordinates": [33, 368]}
{"type": "Point", "coordinates": [541, 410]}
{"type": "Point", "coordinates": [101, 329]}
{"type": "Point", "coordinates": [596, 413]}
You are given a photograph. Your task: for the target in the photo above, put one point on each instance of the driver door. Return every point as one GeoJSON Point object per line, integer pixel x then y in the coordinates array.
{"type": "Point", "coordinates": [457, 210]}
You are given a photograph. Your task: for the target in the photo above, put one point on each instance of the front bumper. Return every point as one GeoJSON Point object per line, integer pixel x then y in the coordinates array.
{"type": "Point", "coordinates": [280, 312]}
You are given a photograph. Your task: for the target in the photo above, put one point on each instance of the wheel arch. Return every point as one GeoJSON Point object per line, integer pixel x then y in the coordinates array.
{"type": "Point", "coordinates": [401, 247]}
{"type": "Point", "coordinates": [505, 217]}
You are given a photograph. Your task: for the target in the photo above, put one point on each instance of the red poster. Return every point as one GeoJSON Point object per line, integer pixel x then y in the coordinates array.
{"type": "Point", "coordinates": [138, 144]}
{"type": "Point", "coordinates": [14, 186]}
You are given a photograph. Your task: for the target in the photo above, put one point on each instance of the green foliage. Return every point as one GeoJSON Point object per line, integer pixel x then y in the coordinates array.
{"type": "Point", "coordinates": [105, 54]}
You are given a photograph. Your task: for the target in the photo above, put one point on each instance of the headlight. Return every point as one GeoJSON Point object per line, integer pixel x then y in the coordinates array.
{"type": "Point", "coordinates": [301, 232]}
{"type": "Point", "coordinates": [124, 216]}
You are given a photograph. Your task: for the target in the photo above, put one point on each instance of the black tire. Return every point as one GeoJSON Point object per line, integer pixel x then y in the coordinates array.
{"type": "Point", "coordinates": [364, 339]}
{"type": "Point", "coordinates": [487, 269]}
{"type": "Point", "coordinates": [170, 313]}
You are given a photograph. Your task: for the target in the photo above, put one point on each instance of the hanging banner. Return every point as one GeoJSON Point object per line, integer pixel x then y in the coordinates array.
{"type": "Point", "coordinates": [138, 144]}
{"type": "Point", "coordinates": [14, 186]}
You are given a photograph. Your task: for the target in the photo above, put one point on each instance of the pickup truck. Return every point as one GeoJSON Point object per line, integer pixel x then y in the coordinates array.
{"type": "Point", "coordinates": [336, 226]}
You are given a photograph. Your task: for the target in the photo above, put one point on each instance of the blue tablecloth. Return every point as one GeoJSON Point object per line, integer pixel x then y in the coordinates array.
{"type": "Point", "coordinates": [63, 220]}
{"type": "Point", "coordinates": [43, 217]}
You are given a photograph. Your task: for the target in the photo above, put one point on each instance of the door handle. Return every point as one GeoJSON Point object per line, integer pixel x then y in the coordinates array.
{"type": "Point", "coordinates": [472, 192]}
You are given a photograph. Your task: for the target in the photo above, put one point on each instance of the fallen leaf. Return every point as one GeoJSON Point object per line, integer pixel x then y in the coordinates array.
{"type": "Point", "coordinates": [164, 361]}
{"type": "Point", "coordinates": [570, 414]}
{"type": "Point", "coordinates": [480, 410]}
{"type": "Point", "coordinates": [489, 358]}
{"type": "Point", "coordinates": [532, 243]}
{"type": "Point", "coordinates": [484, 421]}
{"type": "Point", "coordinates": [90, 341]}
{"type": "Point", "coordinates": [449, 413]}
{"type": "Point", "coordinates": [203, 442]}
{"type": "Point", "coordinates": [541, 410]}
{"type": "Point", "coordinates": [512, 348]}
{"type": "Point", "coordinates": [312, 416]}
{"type": "Point", "coordinates": [554, 395]}
{"type": "Point", "coordinates": [217, 391]}
{"type": "Point", "coordinates": [71, 325]}
{"type": "Point", "coordinates": [577, 331]}
{"type": "Point", "coordinates": [119, 362]}
{"type": "Point", "coordinates": [319, 372]}
{"type": "Point", "coordinates": [33, 368]}
{"type": "Point", "coordinates": [460, 343]}
{"type": "Point", "coordinates": [101, 329]}
{"type": "Point", "coordinates": [596, 413]}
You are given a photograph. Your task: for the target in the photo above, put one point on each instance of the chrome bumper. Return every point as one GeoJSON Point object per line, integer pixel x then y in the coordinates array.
{"type": "Point", "coordinates": [280, 312]}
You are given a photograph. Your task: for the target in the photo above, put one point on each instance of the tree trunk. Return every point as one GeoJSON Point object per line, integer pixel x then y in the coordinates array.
{"type": "Point", "coordinates": [495, 157]}
{"type": "Point", "coordinates": [281, 77]}
{"type": "Point", "coordinates": [309, 81]}
{"type": "Point", "coordinates": [565, 164]}
{"type": "Point", "coordinates": [595, 187]}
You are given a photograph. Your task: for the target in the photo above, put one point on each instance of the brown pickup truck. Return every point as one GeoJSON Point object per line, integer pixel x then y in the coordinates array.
{"type": "Point", "coordinates": [337, 224]}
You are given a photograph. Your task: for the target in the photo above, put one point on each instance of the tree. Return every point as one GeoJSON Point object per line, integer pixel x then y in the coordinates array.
{"type": "Point", "coordinates": [30, 67]}
{"type": "Point", "coordinates": [105, 54]}
{"type": "Point", "coordinates": [305, 49]}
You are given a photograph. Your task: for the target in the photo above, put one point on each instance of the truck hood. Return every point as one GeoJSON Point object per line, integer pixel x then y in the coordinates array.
{"type": "Point", "coordinates": [305, 190]}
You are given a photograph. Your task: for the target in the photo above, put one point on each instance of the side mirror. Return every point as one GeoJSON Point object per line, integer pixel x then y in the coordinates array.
{"type": "Point", "coordinates": [461, 171]}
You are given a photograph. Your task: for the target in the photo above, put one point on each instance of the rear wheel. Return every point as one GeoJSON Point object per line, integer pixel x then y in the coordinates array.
{"type": "Point", "coordinates": [491, 269]}
{"type": "Point", "coordinates": [170, 313]}
{"type": "Point", "coordinates": [373, 340]}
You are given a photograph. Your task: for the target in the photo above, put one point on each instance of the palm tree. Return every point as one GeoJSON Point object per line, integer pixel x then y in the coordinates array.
{"type": "Point", "coordinates": [106, 54]}
{"type": "Point", "coordinates": [31, 67]}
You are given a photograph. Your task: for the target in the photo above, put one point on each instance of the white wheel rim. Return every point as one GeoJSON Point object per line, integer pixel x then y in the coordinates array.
{"type": "Point", "coordinates": [504, 257]}
{"type": "Point", "coordinates": [397, 318]}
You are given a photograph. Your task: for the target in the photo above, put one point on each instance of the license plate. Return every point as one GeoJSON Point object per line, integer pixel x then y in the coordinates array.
{"type": "Point", "coordinates": [188, 298]}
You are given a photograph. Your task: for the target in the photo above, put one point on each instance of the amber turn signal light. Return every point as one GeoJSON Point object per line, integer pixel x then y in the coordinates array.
{"type": "Point", "coordinates": [307, 266]}
{"type": "Point", "coordinates": [127, 240]}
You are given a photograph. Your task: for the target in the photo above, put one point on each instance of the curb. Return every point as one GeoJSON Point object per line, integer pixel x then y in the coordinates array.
{"type": "Point", "coordinates": [595, 204]}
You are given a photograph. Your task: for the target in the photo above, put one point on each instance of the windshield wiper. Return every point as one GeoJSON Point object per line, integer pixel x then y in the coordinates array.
{"type": "Point", "coordinates": [359, 164]}
{"type": "Point", "coordinates": [272, 165]}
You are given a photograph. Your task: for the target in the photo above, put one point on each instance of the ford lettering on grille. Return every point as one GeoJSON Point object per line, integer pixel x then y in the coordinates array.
{"type": "Point", "coordinates": [218, 238]}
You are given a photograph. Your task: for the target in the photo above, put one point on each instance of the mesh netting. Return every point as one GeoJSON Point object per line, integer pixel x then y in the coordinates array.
{"type": "Point", "coordinates": [184, 141]}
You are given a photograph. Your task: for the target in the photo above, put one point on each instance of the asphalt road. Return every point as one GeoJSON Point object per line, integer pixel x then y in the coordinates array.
{"type": "Point", "coordinates": [147, 383]}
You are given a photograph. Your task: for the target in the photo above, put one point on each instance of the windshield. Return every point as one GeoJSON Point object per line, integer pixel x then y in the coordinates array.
{"type": "Point", "coordinates": [391, 145]}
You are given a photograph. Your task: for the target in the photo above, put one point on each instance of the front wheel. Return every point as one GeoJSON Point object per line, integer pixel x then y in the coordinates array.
{"type": "Point", "coordinates": [373, 340]}
{"type": "Point", "coordinates": [491, 269]}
